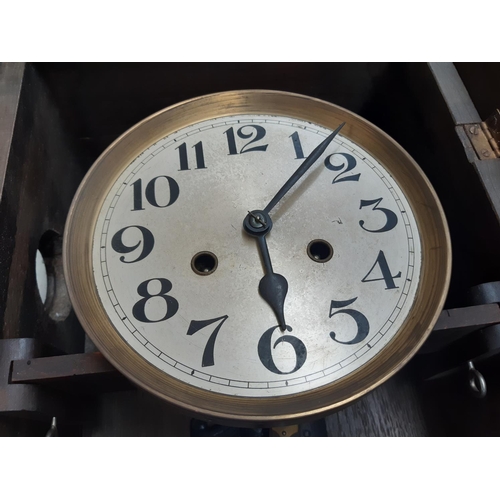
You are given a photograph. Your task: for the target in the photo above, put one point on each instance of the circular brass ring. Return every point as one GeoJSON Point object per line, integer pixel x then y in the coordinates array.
{"type": "Point", "coordinates": [434, 278]}
{"type": "Point", "coordinates": [315, 258]}
{"type": "Point", "coordinates": [207, 272]}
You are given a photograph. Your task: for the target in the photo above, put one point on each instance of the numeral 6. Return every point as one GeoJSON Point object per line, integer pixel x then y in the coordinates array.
{"type": "Point", "coordinates": [266, 355]}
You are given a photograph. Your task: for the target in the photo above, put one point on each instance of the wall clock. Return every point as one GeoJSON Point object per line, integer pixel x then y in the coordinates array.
{"type": "Point", "coordinates": [257, 257]}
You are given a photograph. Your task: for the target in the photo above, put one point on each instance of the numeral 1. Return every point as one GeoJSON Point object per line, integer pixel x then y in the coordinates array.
{"type": "Point", "coordinates": [183, 156]}
{"type": "Point", "coordinates": [299, 154]}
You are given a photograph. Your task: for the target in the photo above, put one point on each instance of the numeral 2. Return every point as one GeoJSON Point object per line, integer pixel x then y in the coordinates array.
{"type": "Point", "coordinates": [208, 353]}
{"type": "Point", "coordinates": [348, 163]}
{"type": "Point", "coordinates": [259, 132]}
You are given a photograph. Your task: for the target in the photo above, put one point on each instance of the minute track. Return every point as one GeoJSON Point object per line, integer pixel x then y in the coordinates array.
{"type": "Point", "coordinates": [291, 381]}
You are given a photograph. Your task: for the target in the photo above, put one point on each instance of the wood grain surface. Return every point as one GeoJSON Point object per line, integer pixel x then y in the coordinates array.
{"type": "Point", "coordinates": [393, 409]}
{"type": "Point", "coordinates": [41, 175]}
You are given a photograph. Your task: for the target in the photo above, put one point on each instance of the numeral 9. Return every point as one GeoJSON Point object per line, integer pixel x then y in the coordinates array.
{"type": "Point", "coordinates": [148, 242]}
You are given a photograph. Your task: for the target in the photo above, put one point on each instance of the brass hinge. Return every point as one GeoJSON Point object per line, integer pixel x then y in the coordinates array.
{"type": "Point", "coordinates": [491, 128]}
{"type": "Point", "coordinates": [485, 137]}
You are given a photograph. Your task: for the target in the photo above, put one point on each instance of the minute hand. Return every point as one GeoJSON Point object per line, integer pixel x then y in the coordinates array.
{"type": "Point", "coordinates": [306, 164]}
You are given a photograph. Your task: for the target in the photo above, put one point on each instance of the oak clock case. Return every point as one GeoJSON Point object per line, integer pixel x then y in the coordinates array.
{"type": "Point", "coordinates": [208, 285]}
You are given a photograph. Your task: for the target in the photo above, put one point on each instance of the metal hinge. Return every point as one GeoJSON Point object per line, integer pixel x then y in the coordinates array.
{"type": "Point", "coordinates": [485, 137]}
{"type": "Point", "coordinates": [491, 128]}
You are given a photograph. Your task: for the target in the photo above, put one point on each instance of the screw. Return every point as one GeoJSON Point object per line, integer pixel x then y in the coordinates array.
{"type": "Point", "coordinates": [485, 152]}
{"type": "Point", "coordinates": [473, 130]}
{"type": "Point", "coordinates": [257, 220]}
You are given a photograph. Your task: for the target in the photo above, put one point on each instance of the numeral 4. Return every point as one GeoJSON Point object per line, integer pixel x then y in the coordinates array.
{"type": "Point", "coordinates": [386, 273]}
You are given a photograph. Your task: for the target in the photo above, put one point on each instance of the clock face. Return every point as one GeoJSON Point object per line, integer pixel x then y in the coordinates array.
{"type": "Point", "coordinates": [179, 277]}
{"type": "Point", "coordinates": [167, 282]}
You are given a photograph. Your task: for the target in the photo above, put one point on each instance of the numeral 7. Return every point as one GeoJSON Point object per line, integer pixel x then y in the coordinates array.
{"type": "Point", "coordinates": [196, 326]}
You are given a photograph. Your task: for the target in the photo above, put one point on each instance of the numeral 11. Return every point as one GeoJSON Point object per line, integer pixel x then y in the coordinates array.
{"type": "Point", "coordinates": [183, 157]}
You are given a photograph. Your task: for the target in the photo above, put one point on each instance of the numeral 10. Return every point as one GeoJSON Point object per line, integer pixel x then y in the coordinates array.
{"type": "Point", "coordinates": [150, 192]}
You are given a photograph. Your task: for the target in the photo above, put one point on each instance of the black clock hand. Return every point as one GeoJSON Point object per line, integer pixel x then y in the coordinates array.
{"type": "Point", "coordinates": [272, 287]}
{"type": "Point", "coordinates": [304, 167]}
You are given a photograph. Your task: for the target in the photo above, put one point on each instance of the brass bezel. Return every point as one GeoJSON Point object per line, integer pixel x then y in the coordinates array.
{"type": "Point", "coordinates": [433, 230]}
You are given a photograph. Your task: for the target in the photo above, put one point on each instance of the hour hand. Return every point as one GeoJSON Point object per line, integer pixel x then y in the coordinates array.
{"type": "Point", "coordinates": [272, 287]}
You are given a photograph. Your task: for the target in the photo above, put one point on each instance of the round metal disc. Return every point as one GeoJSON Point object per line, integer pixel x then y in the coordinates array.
{"type": "Point", "coordinates": [433, 232]}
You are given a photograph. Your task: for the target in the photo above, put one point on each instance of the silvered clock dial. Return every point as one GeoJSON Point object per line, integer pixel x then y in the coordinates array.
{"type": "Point", "coordinates": [257, 256]}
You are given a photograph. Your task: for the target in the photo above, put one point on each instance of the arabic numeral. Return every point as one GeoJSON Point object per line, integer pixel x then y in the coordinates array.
{"type": "Point", "coordinates": [255, 135]}
{"type": "Point", "coordinates": [348, 163]}
{"type": "Point", "coordinates": [196, 326]}
{"type": "Point", "coordinates": [147, 240]}
{"type": "Point", "coordinates": [299, 154]}
{"type": "Point", "coordinates": [151, 193]}
{"type": "Point", "coordinates": [387, 276]}
{"type": "Point", "coordinates": [170, 304]}
{"type": "Point", "coordinates": [391, 218]}
{"type": "Point", "coordinates": [183, 156]}
{"type": "Point", "coordinates": [265, 349]}
{"type": "Point", "coordinates": [362, 324]}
